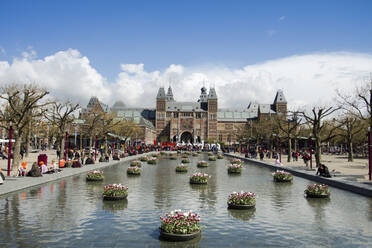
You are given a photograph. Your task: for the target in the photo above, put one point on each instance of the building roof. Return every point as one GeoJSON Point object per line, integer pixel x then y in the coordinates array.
{"type": "Point", "coordinates": [184, 106]}
{"type": "Point", "coordinates": [279, 98]}
{"type": "Point", "coordinates": [161, 93]}
{"type": "Point", "coordinates": [236, 115]}
{"type": "Point", "coordinates": [212, 94]}
{"type": "Point", "coordinates": [266, 109]}
{"type": "Point", "coordinates": [170, 97]}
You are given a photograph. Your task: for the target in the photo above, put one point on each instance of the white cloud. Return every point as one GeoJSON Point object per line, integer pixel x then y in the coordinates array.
{"type": "Point", "coordinates": [2, 50]}
{"type": "Point", "coordinates": [271, 32]}
{"type": "Point", "coordinates": [282, 18]}
{"type": "Point", "coordinates": [305, 79]}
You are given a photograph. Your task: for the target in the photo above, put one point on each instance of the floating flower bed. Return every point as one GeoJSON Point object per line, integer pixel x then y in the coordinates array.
{"type": "Point", "coordinates": [179, 226]}
{"type": "Point", "coordinates": [188, 153]}
{"type": "Point", "coordinates": [236, 161]}
{"type": "Point", "coordinates": [173, 157]}
{"type": "Point", "coordinates": [242, 200]}
{"type": "Point", "coordinates": [95, 176]}
{"type": "Point", "coordinates": [212, 158]}
{"type": "Point", "coordinates": [163, 153]}
{"type": "Point", "coordinates": [136, 163]}
{"type": "Point", "coordinates": [178, 151]}
{"type": "Point", "coordinates": [202, 163]}
{"type": "Point", "coordinates": [210, 153]}
{"type": "Point", "coordinates": [181, 168]}
{"type": "Point", "coordinates": [219, 156]}
{"type": "Point", "coordinates": [133, 170]}
{"type": "Point", "coordinates": [199, 178]}
{"type": "Point", "coordinates": [185, 155]}
{"type": "Point", "coordinates": [185, 161]}
{"type": "Point", "coordinates": [195, 154]}
{"type": "Point", "coordinates": [115, 192]}
{"type": "Point", "coordinates": [155, 155]}
{"type": "Point", "coordinates": [317, 191]}
{"type": "Point", "coordinates": [282, 176]}
{"type": "Point", "coordinates": [235, 168]}
{"type": "Point", "coordinates": [144, 159]}
{"type": "Point", "coordinates": [152, 160]}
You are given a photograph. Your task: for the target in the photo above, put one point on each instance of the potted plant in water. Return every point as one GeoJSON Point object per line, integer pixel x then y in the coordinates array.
{"type": "Point", "coordinates": [136, 163]}
{"type": "Point", "coordinates": [199, 178]}
{"type": "Point", "coordinates": [234, 169]}
{"type": "Point", "coordinates": [95, 176]}
{"type": "Point", "coordinates": [202, 164]}
{"type": "Point", "coordinates": [317, 191]}
{"type": "Point", "coordinates": [173, 157]}
{"type": "Point", "coordinates": [185, 160]}
{"type": "Point", "coordinates": [115, 192]}
{"type": "Point", "coordinates": [236, 161]}
{"type": "Point", "coordinates": [212, 158]}
{"type": "Point", "coordinates": [185, 155]}
{"type": "Point", "coordinates": [242, 200]}
{"type": "Point", "coordinates": [219, 156]}
{"type": "Point", "coordinates": [133, 170]}
{"type": "Point", "coordinates": [282, 176]}
{"type": "Point", "coordinates": [181, 168]}
{"type": "Point", "coordinates": [144, 159]}
{"type": "Point", "coordinates": [152, 160]}
{"type": "Point", "coordinates": [179, 226]}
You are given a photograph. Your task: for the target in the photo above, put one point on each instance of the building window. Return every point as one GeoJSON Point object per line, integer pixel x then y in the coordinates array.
{"type": "Point", "coordinates": [187, 114]}
{"type": "Point", "coordinates": [212, 116]}
{"type": "Point", "coordinates": [160, 116]}
{"type": "Point", "coordinates": [169, 114]}
{"type": "Point", "coordinates": [175, 114]}
{"type": "Point", "coordinates": [198, 115]}
{"type": "Point", "coordinates": [220, 137]}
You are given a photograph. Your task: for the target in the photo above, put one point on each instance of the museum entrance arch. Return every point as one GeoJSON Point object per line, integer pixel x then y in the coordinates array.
{"type": "Point", "coordinates": [187, 137]}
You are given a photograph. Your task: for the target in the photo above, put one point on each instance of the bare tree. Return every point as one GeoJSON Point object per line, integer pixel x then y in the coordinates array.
{"type": "Point", "coordinates": [288, 125]}
{"type": "Point", "coordinates": [22, 103]}
{"type": "Point", "coordinates": [315, 119]}
{"type": "Point", "coordinates": [61, 115]}
{"type": "Point", "coordinates": [349, 127]}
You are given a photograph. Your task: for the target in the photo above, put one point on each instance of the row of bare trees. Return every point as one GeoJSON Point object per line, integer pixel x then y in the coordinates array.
{"type": "Point", "coordinates": [28, 109]}
{"type": "Point", "coordinates": [345, 123]}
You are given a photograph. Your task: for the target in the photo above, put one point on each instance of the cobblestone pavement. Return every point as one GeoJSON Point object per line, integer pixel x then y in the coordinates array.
{"type": "Point", "coordinates": [337, 164]}
{"type": "Point", "coordinates": [14, 183]}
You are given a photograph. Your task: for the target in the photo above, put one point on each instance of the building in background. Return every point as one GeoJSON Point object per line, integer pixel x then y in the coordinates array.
{"type": "Point", "coordinates": [198, 121]}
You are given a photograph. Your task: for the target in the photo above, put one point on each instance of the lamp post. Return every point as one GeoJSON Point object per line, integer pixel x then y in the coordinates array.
{"type": "Point", "coordinates": [280, 150]}
{"type": "Point", "coordinates": [10, 148]}
{"type": "Point", "coordinates": [66, 147]}
{"type": "Point", "coordinates": [311, 151]}
{"type": "Point", "coordinates": [95, 150]}
{"type": "Point", "coordinates": [369, 154]}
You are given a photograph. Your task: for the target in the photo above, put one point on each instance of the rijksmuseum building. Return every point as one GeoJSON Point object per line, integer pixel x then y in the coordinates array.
{"type": "Point", "coordinates": [198, 121]}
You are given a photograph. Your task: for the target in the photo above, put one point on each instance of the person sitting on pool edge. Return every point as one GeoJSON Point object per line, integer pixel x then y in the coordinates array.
{"type": "Point", "coordinates": [323, 171]}
{"type": "Point", "coordinates": [89, 160]}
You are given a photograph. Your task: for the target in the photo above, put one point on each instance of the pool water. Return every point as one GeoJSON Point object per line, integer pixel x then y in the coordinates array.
{"type": "Point", "coordinates": [71, 212]}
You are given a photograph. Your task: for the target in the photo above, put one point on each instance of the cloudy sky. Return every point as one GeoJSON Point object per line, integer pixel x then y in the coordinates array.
{"type": "Point", "coordinates": [121, 50]}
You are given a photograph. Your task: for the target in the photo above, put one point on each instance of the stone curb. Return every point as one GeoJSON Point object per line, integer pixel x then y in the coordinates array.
{"type": "Point", "coordinates": [355, 187]}
{"type": "Point", "coordinates": [12, 184]}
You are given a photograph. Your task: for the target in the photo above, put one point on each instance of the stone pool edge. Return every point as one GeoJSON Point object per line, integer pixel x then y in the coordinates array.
{"type": "Point", "coordinates": [355, 187]}
{"type": "Point", "coordinates": [13, 184]}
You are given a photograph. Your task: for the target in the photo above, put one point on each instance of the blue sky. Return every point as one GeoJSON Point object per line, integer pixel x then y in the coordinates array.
{"type": "Point", "coordinates": [160, 33]}
{"type": "Point", "coordinates": [247, 50]}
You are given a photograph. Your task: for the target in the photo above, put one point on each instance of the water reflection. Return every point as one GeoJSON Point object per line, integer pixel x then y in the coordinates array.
{"type": "Point", "coordinates": [244, 215]}
{"type": "Point", "coordinates": [194, 243]}
{"type": "Point", "coordinates": [71, 212]}
{"type": "Point", "coordinates": [114, 206]}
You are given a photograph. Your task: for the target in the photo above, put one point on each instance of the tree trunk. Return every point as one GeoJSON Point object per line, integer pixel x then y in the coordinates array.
{"type": "Point", "coordinates": [350, 156]}
{"type": "Point", "coordinates": [289, 149]}
{"type": "Point", "coordinates": [28, 134]}
{"type": "Point", "coordinates": [81, 142]}
{"type": "Point", "coordinates": [62, 148]}
{"type": "Point", "coordinates": [16, 153]}
{"type": "Point", "coordinates": [271, 147]}
{"type": "Point", "coordinates": [317, 152]}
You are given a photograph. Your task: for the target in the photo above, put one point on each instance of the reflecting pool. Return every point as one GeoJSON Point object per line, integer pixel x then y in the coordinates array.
{"type": "Point", "coordinates": [71, 212]}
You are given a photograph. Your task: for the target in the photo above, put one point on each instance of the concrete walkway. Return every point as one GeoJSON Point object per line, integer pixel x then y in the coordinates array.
{"type": "Point", "coordinates": [12, 183]}
{"type": "Point", "coordinates": [339, 180]}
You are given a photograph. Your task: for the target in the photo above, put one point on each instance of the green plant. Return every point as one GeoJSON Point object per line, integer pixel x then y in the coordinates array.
{"type": "Point", "coordinates": [242, 198]}
{"type": "Point", "coordinates": [177, 222]}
